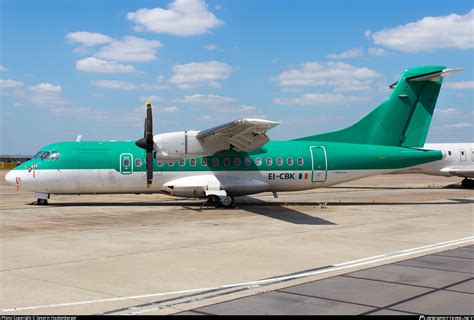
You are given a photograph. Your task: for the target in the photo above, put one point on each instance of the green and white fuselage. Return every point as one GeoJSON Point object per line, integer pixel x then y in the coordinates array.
{"type": "Point", "coordinates": [118, 167]}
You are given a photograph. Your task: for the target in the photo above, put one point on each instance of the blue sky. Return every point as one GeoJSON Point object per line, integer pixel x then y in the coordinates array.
{"type": "Point", "coordinates": [87, 67]}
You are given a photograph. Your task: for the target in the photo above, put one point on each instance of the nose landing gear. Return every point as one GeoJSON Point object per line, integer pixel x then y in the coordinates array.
{"type": "Point", "coordinates": [41, 199]}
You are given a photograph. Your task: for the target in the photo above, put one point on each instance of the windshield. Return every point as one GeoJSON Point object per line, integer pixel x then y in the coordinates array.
{"type": "Point", "coordinates": [45, 155]}
{"type": "Point", "coordinates": [38, 155]}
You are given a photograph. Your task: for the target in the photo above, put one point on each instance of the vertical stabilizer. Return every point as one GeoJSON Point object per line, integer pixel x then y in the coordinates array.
{"type": "Point", "coordinates": [404, 118]}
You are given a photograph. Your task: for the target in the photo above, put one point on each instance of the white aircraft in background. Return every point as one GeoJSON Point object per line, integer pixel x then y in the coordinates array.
{"type": "Point", "coordinates": [458, 160]}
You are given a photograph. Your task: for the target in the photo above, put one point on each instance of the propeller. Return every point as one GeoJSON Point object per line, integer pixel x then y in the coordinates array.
{"type": "Point", "coordinates": [147, 143]}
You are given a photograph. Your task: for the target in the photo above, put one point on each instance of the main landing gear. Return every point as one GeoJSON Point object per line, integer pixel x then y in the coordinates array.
{"type": "Point", "coordinates": [467, 183]}
{"type": "Point", "coordinates": [219, 201]}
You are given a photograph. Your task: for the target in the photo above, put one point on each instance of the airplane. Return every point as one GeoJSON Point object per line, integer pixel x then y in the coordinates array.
{"type": "Point", "coordinates": [458, 161]}
{"type": "Point", "coordinates": [237, 158]}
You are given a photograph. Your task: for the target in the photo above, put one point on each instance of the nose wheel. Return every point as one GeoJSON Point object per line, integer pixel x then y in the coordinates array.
{"type": "Point", "coordinates": [42, 202]}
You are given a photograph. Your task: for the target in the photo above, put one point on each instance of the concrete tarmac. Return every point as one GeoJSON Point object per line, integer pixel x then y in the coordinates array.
{"type": "Point", "coordinates": [152, 254]}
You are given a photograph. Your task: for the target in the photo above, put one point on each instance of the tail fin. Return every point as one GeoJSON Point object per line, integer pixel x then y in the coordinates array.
{"type": "Point", "coordinates": [403, 119]}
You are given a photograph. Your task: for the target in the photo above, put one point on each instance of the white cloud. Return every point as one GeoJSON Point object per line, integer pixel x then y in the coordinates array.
{"type": "Point", "coordinates": [92, 64]}
{"type": "Point", "coordinates": [182, 18]}
{"type": "Point", "coordinates": [211, 47]}
{"type": "Point", "coordinates": [46, 87]}
{"type": "Point", "coordinates": [460, 85]}
{"type": "Point", "coordinates": [429, 34]}
{"type": "Point", "coordinates": [460, 125]}
{"type": "Point", "coordinates": [446, 112]}
{"type": "Point", "coordinates": [45, 95]}
{"type": "Point", "coordinates": [8, 83]}
{"type": "Point", "coordinates": [169, 109]}
{"type": "Point", "coordinates": [2, 68]}
{"type": "Point", "coordinates": [341, 76]}
{"type": "Point", "coordinates": [377, 52]}
{"type": "Point", "coordinates": [153, 99]}
{"type": "Point", "coordinates": [88, 38]}
{"type": "Point", "coordinates": [351, 53]}
{"type": "Point", "coordinates": [130, 49]}
{"type": "Point", "coordinates": [114, 84]}
{"type": "Point", "coordinates": [208, 99]}
{"type": "Point", "coordinates": [318, 100]}
{"type": "Point", "coordinates": [196, 74]}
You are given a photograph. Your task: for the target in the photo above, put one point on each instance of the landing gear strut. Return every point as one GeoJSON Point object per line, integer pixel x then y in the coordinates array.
{"type": "Point", "coordinates": [467, 183]}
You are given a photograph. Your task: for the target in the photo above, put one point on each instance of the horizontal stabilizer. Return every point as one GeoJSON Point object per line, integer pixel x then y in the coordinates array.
{"type": "Point", "coordinates": [431, 76]}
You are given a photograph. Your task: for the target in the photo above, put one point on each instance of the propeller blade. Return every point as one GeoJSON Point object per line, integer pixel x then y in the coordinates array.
{"type": "Point", "coordinates": [149, 168]}
{"type": "Point", "coordinates": [147, 143]}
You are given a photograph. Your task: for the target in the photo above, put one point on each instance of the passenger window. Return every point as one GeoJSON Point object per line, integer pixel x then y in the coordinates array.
{"type": "Point", "coordinates": [55, 155]}
{"type": "Point", "coordinates": [289, 161]}
{"type": "Point", "coordinates": [279, 162]}
{"type": "Point", "coordinates": [215, 162]}
{"type": "Point", "coordinates": [170, 164]}
{"type": "Point", "coordinates": [138, 162]}
{"type": "Point", "coordinates": [258, 161]}
{"type": "Point", "coordinates": [45, 155]}
{"type": "Point", "coordinates": [300, 161]}
{"type": "Point", "coordinates": [192, 162]}
{"type": "Point", "coordinates": [237, 162]}
{"type": "Point", "coordinates": [181, 162]}
{"type": "Point", "coordinates": [226, 162]}
{"type": "Point", "coordinates": [160, 163]}
{"type": "Point", "coordinates": [203, 161]}
{"type": "Point", "coordinates": [247, 161]}
{"type": "Point", "coordinates": [126, 162]}
{"type": "Point", "coordinates": [269, 161]}
{"type": "Point", "coordinates": [472, 155]}
{"type": "Point", "coordinates": [449, 153]}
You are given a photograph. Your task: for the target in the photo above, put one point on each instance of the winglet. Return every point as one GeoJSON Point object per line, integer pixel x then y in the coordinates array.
{"type": "Point", "coordinates": [148, 102]}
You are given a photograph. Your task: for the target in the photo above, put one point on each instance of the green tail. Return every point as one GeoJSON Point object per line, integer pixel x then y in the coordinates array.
{"type": "Point", "coordinates": [403, 119]}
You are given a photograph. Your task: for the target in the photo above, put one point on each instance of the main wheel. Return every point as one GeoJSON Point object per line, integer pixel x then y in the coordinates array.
{"type": "Point", "coordinates": [227, 201]}
{"type": "Point", "coordinates": [467, 183]}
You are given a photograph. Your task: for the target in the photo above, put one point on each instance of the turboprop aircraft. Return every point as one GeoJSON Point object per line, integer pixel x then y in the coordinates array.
{"type": "Point", "coordinates": [237, 158]}
{"type": "Point", "coordinates": [458, 161]}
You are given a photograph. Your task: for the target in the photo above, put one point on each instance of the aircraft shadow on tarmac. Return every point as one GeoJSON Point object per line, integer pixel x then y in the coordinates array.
{"type": "Point", "coordinates": [274, 210]}
{"type": "Point", "coordinates": [246, 202]}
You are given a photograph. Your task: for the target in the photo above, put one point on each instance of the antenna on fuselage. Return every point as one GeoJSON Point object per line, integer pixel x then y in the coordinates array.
{"type": "Point", "coordinates": [79, 138]}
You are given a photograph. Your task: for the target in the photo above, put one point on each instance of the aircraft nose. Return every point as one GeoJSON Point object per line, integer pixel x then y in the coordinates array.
{"type": "Point", "coordinates": [10, 178]}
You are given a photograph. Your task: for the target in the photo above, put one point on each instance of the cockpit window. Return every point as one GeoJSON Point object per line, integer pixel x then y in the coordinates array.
{"type": "Point", "coordinates": [54, 155]}
{"type": "Point", "coordinates": [38, 155]}
{"type": "Point", "coordinates": [45, 155]}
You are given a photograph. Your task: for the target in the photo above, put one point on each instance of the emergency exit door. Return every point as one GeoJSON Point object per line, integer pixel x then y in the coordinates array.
{"type": "Point", "coordinates": [319, 164]}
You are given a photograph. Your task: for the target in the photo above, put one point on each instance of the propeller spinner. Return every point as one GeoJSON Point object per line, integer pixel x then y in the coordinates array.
{"type": "Point", "coordinates": [147, 143]}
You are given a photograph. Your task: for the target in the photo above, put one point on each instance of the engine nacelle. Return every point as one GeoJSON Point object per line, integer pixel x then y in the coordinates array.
{"type": "Point", "coordinates": [183, 144]}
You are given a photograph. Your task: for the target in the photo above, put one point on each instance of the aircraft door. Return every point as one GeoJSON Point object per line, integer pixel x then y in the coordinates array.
{"type": "Point", "coordinates": [126, 163]}
{"type": "Point", "coordinates": [462, 154]}
{"type": "Point", "coordinates": [319, 164]}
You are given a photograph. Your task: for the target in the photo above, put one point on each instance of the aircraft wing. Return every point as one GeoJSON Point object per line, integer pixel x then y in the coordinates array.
{"type": "Point", "coordinates": [241, 135]}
